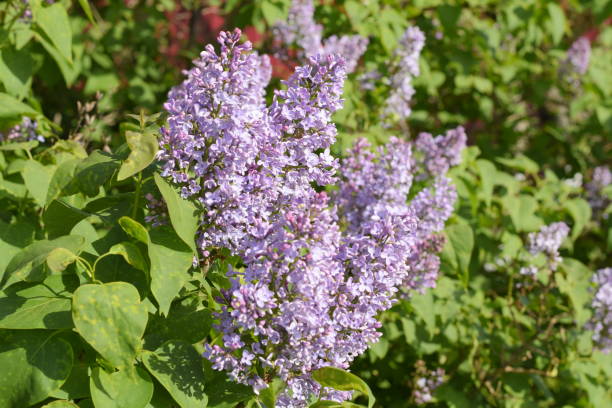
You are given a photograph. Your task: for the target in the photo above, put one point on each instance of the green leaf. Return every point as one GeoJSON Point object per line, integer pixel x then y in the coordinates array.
{"type": "Point", "coordinates": [61, 404]}
{"type": "Point", "coordinates": [37, 178]}
{"type": "Point", "coordinates": [227, 393]}
{"type": "Point", "coordinates": [272, 12]}
{"type": "Point", "coordinates": [424, 307]}
{"type": "Point", "coordinates": [520, 162]}
{"type": "Point", "coordinates": [576, 283]}
{"type": "Point", "coordinates": [457, 251]}
{"type": "Point", "coordinates": [184, 322]}
{"type": "Point", "coordinates": [522, 212]}
{"type": "Point", "coordinates": [487, 172]}
{"type": "Point", "coordinates": [59, 218]}
{"type": "Point", "coordinates": [59, 259]}
{"type": "Point", "coordinates": [171, 260]}
{"type": "Point", "coordinates": [87, 9]}
{"type": "Point", "coordinates": [449, 16]}
{"type": "Point", "coordinates": [11, 107]}
{"type": "Point", "coordinates": [13, 237]}
{"type": "Point", "coordinates": [61, 178]}
{"type": "Point", "coordinates": [53, 20]}
{"type": "Point", "coordinates": [178, 367]}
{"type": "Point", "coordinates": [36, 363]}
{"type": "Point", "coordinates": [343, 381]}
{"type": "Point", "coordinates": [268, 396]}
{"type": "Point", "coordinates": [557, 21]}
{"type": "Point", "coordinates": [130, 253]}
{"type": "Point", "coordinates": [92, 173]}
{"type": "Point", "coordinates": [131, 388]}
{"type": "Point", "coordinates": [111, 318]}
{"type": "Point", "coordinates": [143, 148]}
{"type": "Point", "coordinates": [77, 384]}
{"type": "Point", "coordinates": [580, 210]}
{"type": "Point", "coordinates": [183, 213]}
{"type": "Point", "coordinates": [70, 71]}
{"type": "Point", "coordinates": [38, 306]}
{"type": "Point", "coordinates": [23, 266]}
{"type": "Point", "coordinates": [134, 229]}
{"type": "Point", "coordinates": [16, 69]}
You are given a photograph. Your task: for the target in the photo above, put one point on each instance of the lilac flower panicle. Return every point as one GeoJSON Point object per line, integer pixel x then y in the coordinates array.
{"type": "Point", "coordinates": [426, 383]}
{"type": "Point", "coordinates": [316, 270]}
{"type": "Point", "coordinates": [548, 241]}
{"type": "Point", "coordinates": [598, 200]}
{"type": "Point", "coordinates": [404, 68]}
{"type": "Point", "coordinates": [351, 47]}
{"type": "Point", "coordinates": [441, 152]}
{"type": "Point", "coordinates": [578, 56]}
{"type": "Point", "coordinates": [26, 131]}
{"type": "Point", "coordinates": [601, 321]}
{"type": "Point", "coordinates": [301, 31]}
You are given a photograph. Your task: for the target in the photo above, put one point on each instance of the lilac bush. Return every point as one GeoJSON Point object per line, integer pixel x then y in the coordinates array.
{"type": "Point", "coordinates": [317, 268]}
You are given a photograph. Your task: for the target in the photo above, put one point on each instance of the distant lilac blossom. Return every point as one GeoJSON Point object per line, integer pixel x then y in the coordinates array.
{"type": "Point", "coordinates": [598, 199]}
{"type": "Point", "coordinates": [601, 321]}
{"type": "Point", "coordinates": [578, 56]}
{"type": "Point", "coordinates": [300, 29]}
{"type": "Point", "coordinates": [26, 131]}
{"type": "Point", "coordinates": [548, 241]}
{"type": "Point", "coordinates": [309, 292]}
{"type": "Point", "coordinates": [426, 383]}
{"type": "Point", "coordinates": [403, 70]}
{"type": "Point", "coordinates": [302, 32]}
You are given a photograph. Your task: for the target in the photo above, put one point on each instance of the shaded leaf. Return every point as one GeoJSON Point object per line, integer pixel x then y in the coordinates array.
{"type": "Point", "coordinates": [178, 367]}
{"type": "Point", "coordinates": [131, 388]}
{"type": "Point", "coordinates": [183, 213]}
{"type": "Point", "coordinates": [43, 305]}
{"type": "Point", "coordinates": [171, 260]}
{"type": "Point", "coordinates": [39, 363]}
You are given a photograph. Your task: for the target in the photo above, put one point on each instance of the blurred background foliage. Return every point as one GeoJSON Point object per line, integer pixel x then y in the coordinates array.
{"type": "Point", "coordinates": [495, 67]}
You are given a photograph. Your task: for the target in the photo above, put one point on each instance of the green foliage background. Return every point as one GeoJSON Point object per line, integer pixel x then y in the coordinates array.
{"type": "Point", "coordinates": [99, 309]}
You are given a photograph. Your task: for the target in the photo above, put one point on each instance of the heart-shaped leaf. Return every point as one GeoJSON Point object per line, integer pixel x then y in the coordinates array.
{"type": "Point", "coordinates": [111, 318]}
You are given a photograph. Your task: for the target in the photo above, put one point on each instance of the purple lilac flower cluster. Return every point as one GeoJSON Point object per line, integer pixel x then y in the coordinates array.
{"type": "Point", "coordinates": [598, 199]}
{"type": "Point", "coordinates": [301, 31]}
{"type": "Point", "coordinates": [547, 241]}
{"type": "Point", "coordinates": [601, 322]}
{"type": "Point", "coordinates": [404, 69]}
{"type": "Point", "coordinates": [308, 292]}
{"type": "Point", "coordinates": [441, 152]}
{"type": "Point", "coordinates": [578, 56]}
{"type": "Point", "coordinates": [426, 383]}
{"type": "Point", "coordinates": [158, 211]}
{"type": "Point", "coordinates": [26, 131]}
